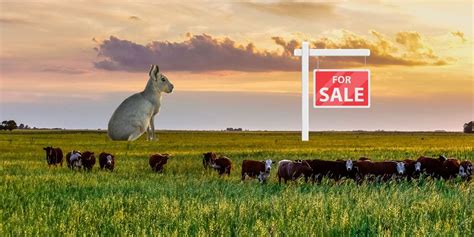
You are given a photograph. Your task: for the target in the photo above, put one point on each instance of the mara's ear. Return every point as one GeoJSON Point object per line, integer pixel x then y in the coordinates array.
{"type": "Point", "coordinates": [154, 70]}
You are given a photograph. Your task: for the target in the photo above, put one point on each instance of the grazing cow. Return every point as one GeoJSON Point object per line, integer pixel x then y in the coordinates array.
{"type": "Point", "coordinates": [431, 166]}
{"type": "Point", "coordinates": [450, 169]}
{"type": "Point", "coordinates": [364, 158]}
{"type": "Point", "coordinates": [465, 170]}
{"type": "Point", "coordinates": [157, 162]}
{"type": "Point", "coordinates": [208, 158]}
{"type": "Point", "coordinates": [54, 156]}
{"type": "Point", "coordinates": [256, 169]}
{"type": "Point", "coordinates": [106, 161]}
{"type": "Point", "coordinates": [292, 170]}
{"type": "Point", "coordinates": [74, 159]}
{"type": "Point", "coordinates": [88, 160]}
{"type": "Point", "coordinates": [383, 170]}
{"type": "Point", "coordinates": [330, 169]}
{"type": "Point", "coordinates": [412, 169]}
{"type": "Point", "coordinates": [222, 164]}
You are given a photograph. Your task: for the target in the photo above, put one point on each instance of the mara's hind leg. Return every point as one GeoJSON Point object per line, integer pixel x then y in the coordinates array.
{"type": "Point", "coordinates": [136, 134]}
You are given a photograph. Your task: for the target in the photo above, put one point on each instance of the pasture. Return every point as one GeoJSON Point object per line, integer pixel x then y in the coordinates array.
{"type": "Point", "coordinates": [187, 200]}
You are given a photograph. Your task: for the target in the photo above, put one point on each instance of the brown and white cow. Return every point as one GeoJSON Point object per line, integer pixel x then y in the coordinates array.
{"type": "Point", "coordinates": [54, 156]}
{"type": "Point", "coordinates": [73, 159]}
{"type": "Point", "coordinates": [331, 169]}
{"type": "Point", "coordinates": [465, 170]}
{"type": "Point", "coordinates": [382, 170]}
{"type": "Point", "coordinates": [412, 169]}
{"type": "Point", "coordinates": [157, 161]}
{"type": "Point", "coordinates": [292, 170]}
{"type": "Point", "coordinates": [106, 161]}
{"type": "Point", "coordinates": [450, 168]}
{"type": "Point", "coordinates": [257, 169]}
{"type": "Point", "coordinates": [88, 160]}
{"type": "Point", "coordinates": [431, 166]}
{"type": "Point", "coordinates": [208, 158]}
{"type": "Point", "coordinates": [223, 165]}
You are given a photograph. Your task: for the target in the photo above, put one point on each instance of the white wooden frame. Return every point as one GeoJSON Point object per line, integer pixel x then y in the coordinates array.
{"type": "Point", "coordinates": [304, 53]}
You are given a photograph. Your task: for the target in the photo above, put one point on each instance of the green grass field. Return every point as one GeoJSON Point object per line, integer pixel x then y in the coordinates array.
{"type": "Point", "coordinates": [187, 200]}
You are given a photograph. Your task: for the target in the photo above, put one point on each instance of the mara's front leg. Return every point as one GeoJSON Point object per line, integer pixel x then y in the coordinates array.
{"type": "Point", "coordinates": [152, 126]}
{"type": "Point", "coordinates": [148, 135]}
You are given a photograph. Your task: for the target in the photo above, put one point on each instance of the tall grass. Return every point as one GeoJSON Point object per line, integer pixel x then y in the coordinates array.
{"type": "Point", "coordinates": [188, 200]}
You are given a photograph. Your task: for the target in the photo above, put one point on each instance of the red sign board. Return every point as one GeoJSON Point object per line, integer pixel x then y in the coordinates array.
{"type": "Point", "coordinates": [335, 88]}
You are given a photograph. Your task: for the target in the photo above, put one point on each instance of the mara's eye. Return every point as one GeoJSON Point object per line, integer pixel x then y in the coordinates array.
{"type": "Point", "coordinates": [163, 79]}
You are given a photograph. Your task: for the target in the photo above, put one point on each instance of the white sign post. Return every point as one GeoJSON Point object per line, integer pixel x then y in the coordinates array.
{"type": "Point", "coordinates": [304, 53]}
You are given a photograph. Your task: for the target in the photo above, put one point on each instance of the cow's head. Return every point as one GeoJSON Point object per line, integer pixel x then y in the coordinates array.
{"type": "Point", "coordinates": [49, 150]}
{"type": "Point", "coordinates": [349, 165]}
{"type": "Point", "coordinates": [160, 164]}
{"type": "Point", "coordinates": [418, 166]}
{"type": "Point", "coordinates": [465, 169]}
{"type": "Point", "coordinates": [400, 168]}
{"type": "Point", "coordinates": [159, 81]}
{"type": "Point", "coordinates": [302, 167]}
{"type": "Point", "coordinates": [208, 158]}
{"type": "Point", "coordinates": [77, 163]}
{"type": "Point", "coordinates": [109, 159]}
{"type": "Point", "coordinates": [268, 165]}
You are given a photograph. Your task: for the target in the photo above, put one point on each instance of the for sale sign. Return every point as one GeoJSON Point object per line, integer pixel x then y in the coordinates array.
{"type": "Point", "coordinates": [334, 88]}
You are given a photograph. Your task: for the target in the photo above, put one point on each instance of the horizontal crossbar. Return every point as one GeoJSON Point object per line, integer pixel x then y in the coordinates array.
{"type": "Point", "coordinates": [335, 52]}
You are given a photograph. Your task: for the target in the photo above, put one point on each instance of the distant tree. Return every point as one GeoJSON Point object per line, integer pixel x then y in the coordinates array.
{"type": "Point", "coordinates": [4, 125]}
{"type": "Point", "coordinates": [27, 127]}
{"type": "Point", "coordinates": [22, 126]}
{"type": "Point", "coordinates": [9, 125]}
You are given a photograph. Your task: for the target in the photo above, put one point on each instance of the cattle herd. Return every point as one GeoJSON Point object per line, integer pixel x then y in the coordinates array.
{"type": "Point", "coordinates": [315, 170]}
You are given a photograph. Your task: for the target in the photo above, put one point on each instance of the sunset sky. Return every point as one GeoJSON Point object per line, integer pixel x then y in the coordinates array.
{"type": "Point", "coordinates": [70, 64]}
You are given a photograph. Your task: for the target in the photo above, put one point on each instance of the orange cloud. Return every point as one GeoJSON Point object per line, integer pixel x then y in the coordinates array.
{"type": "Point", "coordinates": [408, 49]}
{"type": "Point", "coordinates": [460, 35]}
{"type": "Point", "coordinates": [206, 53]}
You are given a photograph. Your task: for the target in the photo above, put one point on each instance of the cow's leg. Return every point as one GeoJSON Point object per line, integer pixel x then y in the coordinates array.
{"type": "Point", "coordinates": [243, 176]}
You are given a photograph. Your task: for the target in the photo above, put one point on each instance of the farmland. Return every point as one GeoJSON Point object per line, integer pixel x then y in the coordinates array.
{"type": "Point", "coordinates": [188, 200]}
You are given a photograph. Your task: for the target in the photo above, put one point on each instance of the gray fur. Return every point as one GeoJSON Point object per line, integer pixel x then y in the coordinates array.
{"type": "Point", "coordinates": [136, 114]}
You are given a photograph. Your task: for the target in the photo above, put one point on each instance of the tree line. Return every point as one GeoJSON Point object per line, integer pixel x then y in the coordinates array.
{"type": "Point", "coordinates": [11, 125]}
